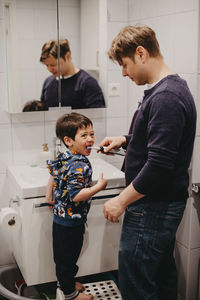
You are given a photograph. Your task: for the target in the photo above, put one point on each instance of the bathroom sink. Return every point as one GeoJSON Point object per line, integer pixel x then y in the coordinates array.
{"type": "Point", "coordinates": [31, 181]}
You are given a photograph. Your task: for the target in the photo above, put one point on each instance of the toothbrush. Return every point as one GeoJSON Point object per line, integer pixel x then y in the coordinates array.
{"type": "Point", "coordinates": [101, 149]}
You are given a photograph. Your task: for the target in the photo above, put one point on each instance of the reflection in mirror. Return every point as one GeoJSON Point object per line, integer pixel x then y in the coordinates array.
{"type": "Point", "coordinates": [78, 88]}
{"type": "Point", "coordinates": [31, 24]}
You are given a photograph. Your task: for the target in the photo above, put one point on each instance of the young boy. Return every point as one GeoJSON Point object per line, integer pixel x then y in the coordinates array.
{"type": "Point", "coordinates": [71, 186]}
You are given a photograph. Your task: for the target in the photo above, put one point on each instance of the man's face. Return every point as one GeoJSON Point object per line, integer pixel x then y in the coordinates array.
{"type": "Point", "coordinates": [52, 66]}
{"type": "Point", "coordinates": [135, 70]}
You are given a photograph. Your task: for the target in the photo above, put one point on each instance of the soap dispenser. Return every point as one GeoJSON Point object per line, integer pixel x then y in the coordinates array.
{"type": "Point", "coordinates": [45, 155]}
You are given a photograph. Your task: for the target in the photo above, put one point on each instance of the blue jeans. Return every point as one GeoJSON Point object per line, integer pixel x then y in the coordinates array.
{"type": "Point", "coordinates": [147, 267]}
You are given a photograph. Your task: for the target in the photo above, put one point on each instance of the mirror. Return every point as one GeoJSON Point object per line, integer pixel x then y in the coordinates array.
{"type": "Point", "coordinates": [31, 23]}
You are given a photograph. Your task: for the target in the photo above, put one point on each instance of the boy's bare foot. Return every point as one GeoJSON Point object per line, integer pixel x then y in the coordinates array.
{"type": "Point", "coordinates": [79, 286]}
{"type": "Point", "coordinates": [83, 296]}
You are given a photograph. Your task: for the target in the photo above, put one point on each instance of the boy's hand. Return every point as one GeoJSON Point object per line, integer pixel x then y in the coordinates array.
{"type": "Point", "coordinates": [102, 182]}
{"type": "Point", "coordinates": [49, 200]}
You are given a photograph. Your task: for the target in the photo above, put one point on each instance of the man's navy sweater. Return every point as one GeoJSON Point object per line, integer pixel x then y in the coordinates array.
{"type": "Point", "coordinates": [78, 91]}
{"type": "Point", "coordinates": [160, 148]}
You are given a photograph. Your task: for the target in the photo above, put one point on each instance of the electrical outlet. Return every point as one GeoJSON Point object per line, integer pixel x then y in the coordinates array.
{"type": "Point", "coordinates": [113, 89]}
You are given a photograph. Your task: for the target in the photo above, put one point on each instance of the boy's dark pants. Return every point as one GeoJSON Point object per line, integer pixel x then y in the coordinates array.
{"type": "Point", "coordinates": [67, 244]}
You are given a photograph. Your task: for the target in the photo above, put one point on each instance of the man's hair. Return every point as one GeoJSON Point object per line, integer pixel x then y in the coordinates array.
{"type": "Point", "coordinates": [129, 38]}
{"type": "Point", "coordinates": [68, 124]}
{"type": "Point", "coordinates": [51, 49]}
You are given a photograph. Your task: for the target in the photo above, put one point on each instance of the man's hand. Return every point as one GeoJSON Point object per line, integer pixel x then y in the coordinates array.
{"type": "Point", "coordinates": [113, 209]}
{"type": "Point", "coordinates": [113, 142]}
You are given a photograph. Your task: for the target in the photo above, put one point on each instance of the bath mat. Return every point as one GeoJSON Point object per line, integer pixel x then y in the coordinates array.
{"type": "Point", "coordinates": [103, 290]}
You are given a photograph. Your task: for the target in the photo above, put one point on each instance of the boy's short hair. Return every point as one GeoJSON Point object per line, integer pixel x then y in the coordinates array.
{"type": "Point", "coordinates": [68, 124]}
{"type": "Point", "coordinates": [51, 49]}
{"type": "Point", "coordinates": [129, 38]}
{"type": "Point", "coordinates": [34, 105]}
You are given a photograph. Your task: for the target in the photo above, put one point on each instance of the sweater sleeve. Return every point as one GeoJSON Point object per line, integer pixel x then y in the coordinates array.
{"type": "Point", "coordinates": [165, 126]}
{"type": "Point", "coordinates": [93, 95]}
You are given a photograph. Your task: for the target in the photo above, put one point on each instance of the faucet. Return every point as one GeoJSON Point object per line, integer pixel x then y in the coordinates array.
{"type": "Point", "coordinates": [57, 147]}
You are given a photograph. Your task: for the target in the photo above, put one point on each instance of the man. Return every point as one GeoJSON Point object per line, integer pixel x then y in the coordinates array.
{"type": "Point", "coordinates": [78, 88]}
{"type": "Point", "coordinates": [158, 155]}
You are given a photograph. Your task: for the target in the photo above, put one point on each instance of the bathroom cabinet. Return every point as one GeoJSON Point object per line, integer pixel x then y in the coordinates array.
{"type": "Point", "coordinates": [32, 240]}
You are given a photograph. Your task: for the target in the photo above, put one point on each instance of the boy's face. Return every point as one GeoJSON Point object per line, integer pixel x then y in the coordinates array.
{"type": "Point", "coordinates": [84, 138]}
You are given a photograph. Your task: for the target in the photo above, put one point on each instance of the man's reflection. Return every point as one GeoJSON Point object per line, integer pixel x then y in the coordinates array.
{"type": "Point", "coordinates": [78, 88]}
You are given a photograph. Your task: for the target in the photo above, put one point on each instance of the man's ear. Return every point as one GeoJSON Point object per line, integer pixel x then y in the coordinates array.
{"type": "Point", "coordinates": [142, 53]}
{"type": "Point", "coordinates": [68, 141]}
{"type": "Point", "coordinates": [68, 55]}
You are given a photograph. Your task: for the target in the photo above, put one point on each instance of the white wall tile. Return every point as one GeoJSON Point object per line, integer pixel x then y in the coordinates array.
{"type": "Point", "coordinates": [197, 100]}
{"type": "Point", "coordinates": [99, 126]}
{"type": "Point", "coordinates": [25, 4]}
{"type": "Point", "coordinates": [117, 10]}
{"type": "Point", "coordinates": [117, 105]}
{"type": "Point", "coordinates": [45, 23]}
{"type": "Point", "coordinates": [4, 117]}
{"type": "Point", "coordinates": [25, 23]}
{"type": "Point", "coordinates": [142, 9]}
{"type": "Point", "coordinates": [193, 274]}
{"type": "Point", "coordinates": [116, 126]}
{"type": "Point", "coordinates": [6, 147]}
{"type": "Point", "coordinates": [113, 29]}
{"type": "Point", "coordinates": [188, 271]}
{"type": "Point", "coordinates": [182, 258]}
{"type": "Point", "coordinates": [185, 5]}
{"type": "Point", "coordinates": [183, 234]}
{"type": "Point", "coordinates": [49, 136]}
{"type": "Point", "coordinates": [28, 90]}
{"type": "Point", "coordinates": [75, 49]}
{"type": "Point", "coordinates": [27, 117]}
{"type": "Point", "coordinates": [4, 191]}
{"type": "Point", "coordinates": [195, 223]}
{"type": "Point", "coordinates": [195, 162]}
{"type": "Point", "coordinates": [27, 142]}
{"type": "Point", "coordinates": [68, 3]}
{"type": "Point", "coordinates": [70, 25]}
{"type": "Point", "coordinates": [2, 49]}
{"type": "Point", "coordinates": [27, 53]}
{"type": "Point", "coordinates": [192, 84]}
{"type": "Point", "coordinates": [185, 58]}
{"type": "Point", "coordinates": [44, 4]}
{"type": "Point", "coordinates": [4, 93]}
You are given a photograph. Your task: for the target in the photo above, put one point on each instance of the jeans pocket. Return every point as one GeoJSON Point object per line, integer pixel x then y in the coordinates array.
{"type": "Point", "coordinates": [166, 223]}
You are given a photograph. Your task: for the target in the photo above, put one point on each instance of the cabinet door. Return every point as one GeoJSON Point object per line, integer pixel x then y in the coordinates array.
{"type": "Point", "coordinates": [32, 244]}
{"type": "Point", "coordinates": [101, 242]}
